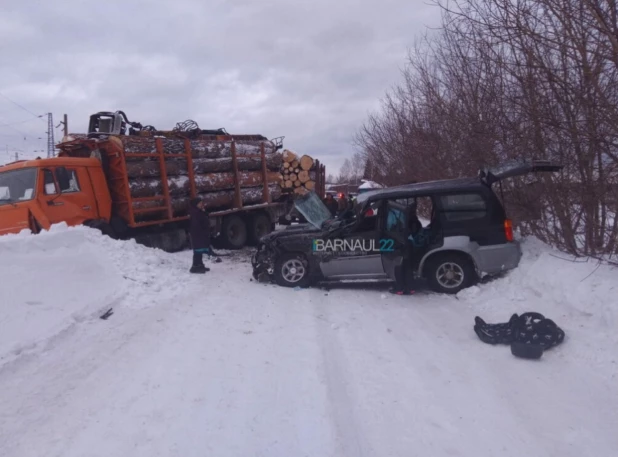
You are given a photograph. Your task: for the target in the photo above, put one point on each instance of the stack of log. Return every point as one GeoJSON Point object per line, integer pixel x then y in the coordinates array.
{"type": "Point", "coordinates": [298, 173]}
{"type": "Point", "coordinates": [212, 170]}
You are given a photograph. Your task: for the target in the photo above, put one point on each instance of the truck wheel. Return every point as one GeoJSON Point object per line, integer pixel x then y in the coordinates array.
{"type": "Point", "coordinates": [233, 232]}
{"type": "Point", "coordinates": [119, 226]}
{"type": "Point", "coordinates": [259, 226]}
{"type": "Point", "coordinates": [103, 227]}
{"type": "Point", "coordinates": [449, 273]}
{"type": "Point", "coordinates": [292, 270]}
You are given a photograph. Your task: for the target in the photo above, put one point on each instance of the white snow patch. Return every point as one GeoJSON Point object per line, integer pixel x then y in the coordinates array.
{"type": "Point", "coordinates": [70, 274]}
{"type": "Point", "coordinates": [190, 363]}
{"type": "Point", "coordinates": [370, 185]}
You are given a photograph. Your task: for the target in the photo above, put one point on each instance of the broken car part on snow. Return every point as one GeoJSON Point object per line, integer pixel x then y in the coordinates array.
{"type": "Point", "coordinates": [529, 334]}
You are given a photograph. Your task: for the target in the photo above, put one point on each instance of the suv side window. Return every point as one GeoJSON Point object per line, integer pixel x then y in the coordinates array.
{"type": "Point", "coordinates": [462, 207]}
{"type": "Point", "coordinates": [49, 183]}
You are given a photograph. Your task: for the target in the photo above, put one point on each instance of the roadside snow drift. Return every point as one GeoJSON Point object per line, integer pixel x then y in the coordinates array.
{"type": "Point", "coordinates": [218, 365]}
{"type": "Point", "coordinates": [56, 279]}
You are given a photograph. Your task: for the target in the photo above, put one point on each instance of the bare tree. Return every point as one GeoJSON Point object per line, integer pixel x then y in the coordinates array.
{"type": "Point", "coordinates": [345, 172]}
{"type": "Point", "coordinates": [513, 80]}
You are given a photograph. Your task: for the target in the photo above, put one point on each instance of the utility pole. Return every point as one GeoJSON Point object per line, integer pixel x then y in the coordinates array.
{"type": "Point", "coordinates": [50, 135]}
{"type": "Point", "coordinates": [16, 156]}
{"type": "Point", "coordinates": [65, 126]}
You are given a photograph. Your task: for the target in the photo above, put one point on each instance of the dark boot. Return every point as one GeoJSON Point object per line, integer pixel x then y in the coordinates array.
{"type": "Point", "coordinates": [199, 269]}
{"type": "Point", "coordinates": [198, 264]}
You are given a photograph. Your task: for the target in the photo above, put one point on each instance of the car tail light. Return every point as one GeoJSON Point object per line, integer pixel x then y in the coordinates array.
{"type": "Point", "coordinates": [508, 229]}
{"type": "Point", "coordinates": [369, 213]}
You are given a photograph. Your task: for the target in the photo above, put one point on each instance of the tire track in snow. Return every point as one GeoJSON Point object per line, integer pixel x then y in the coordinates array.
{"type": "Point", "coordinates": [339, 383]}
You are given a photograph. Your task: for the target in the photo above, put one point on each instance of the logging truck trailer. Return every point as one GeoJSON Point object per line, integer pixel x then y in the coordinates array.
{"type": "Point", "coordinates": [139, 186]}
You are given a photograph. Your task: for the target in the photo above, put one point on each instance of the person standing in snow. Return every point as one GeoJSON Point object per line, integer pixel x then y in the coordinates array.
{"type": "Point", "coordinates": [199, 230]}
{"type": "Point", "coordinates": [417, 240]}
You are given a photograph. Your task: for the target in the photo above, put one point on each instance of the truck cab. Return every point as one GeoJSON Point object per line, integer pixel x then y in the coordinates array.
{"type": "Point", "coordinates": [34, 194]}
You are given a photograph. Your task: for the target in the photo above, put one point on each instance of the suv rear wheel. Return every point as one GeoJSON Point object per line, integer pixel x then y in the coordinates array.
{"type": "Point", "coordinates": [292, 270]}
{"type": "Point", "coordinates": [449, 273]}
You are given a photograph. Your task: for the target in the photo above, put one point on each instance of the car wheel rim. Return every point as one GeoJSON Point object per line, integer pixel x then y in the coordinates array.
{"type": "Point", "coordinates": [450, 275]}
{"type": "Point", "coordinates": [293, 270]}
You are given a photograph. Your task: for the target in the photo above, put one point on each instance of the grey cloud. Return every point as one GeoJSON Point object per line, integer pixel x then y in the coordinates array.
{"type": "Point", "coordinates": [308, 70]}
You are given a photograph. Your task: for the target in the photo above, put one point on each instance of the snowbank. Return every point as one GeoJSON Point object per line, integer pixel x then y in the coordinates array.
{"type": "Point", "coordinates": [56, 279]}
{"type": "Point", "coordinates": [580, 295]}
{"type": "Point", "coordinates": [347, 372]}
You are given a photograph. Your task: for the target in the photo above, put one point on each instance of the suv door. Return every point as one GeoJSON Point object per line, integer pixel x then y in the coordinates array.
{"type": "Point", "coordinates": [361, 263]}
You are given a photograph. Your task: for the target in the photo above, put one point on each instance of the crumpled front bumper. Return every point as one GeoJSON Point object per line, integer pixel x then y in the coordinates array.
{"type": "Point", "coordinates": [263, 263]}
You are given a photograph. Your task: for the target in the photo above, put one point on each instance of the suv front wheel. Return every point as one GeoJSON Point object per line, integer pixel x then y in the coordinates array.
{"type": "Point", "coordinates": [292, 270]}
{"type": "Point", "coordinates": [449, 273]}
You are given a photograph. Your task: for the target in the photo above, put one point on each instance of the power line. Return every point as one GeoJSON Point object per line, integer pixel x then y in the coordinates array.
{"type": "Point", "coordinates": [21, 106]}
{"type": "Point", "coordinates": [21, 122]}
{"type": "Point", "coordinates": [2, 124]}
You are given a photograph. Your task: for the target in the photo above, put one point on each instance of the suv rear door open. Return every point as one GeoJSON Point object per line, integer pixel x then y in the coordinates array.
{"type": "Point", "coordinates": [514, 168]}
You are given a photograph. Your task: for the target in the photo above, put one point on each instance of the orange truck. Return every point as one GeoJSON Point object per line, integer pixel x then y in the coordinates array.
{"type": "Point", "coordinates": [121, 183]}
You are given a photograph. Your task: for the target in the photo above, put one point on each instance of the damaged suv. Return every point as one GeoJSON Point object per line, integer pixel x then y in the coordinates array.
{"type": "Point", "coordinates": [469, 233]}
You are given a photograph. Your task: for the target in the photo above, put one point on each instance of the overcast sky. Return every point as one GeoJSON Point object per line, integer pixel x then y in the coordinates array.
{"type": "Point", "coordinates": [308, 70]}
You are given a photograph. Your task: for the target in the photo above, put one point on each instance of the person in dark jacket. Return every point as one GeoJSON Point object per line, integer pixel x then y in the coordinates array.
{"type": "Point", "coordinates": [342, 205]}
{"type": "Point", "coordinates": [331, 204]}
{"type": "Point", "coordinates": [199, 230]}
{"type": "Point", "coordinates": [417, 239]}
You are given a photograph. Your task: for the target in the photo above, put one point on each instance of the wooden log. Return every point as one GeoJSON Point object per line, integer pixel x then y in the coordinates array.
{"type": "Point", "coordinates": [306, 162]}
{"type": "Point", "coordinates": [303, 176]}
{"type": "Point", "coordinates": [179, 185]}
{"type": "Point", "coordinates": [297, 183]}
{"type": "Point", "coordinates": [296, 170]}
{"type": "Point", "coordinates": [175, 167]}
{"type": "Point", "coordinates": [289, 156]}
{"type": "Point", "coordinates": [210, 149]}
{"type": "Point", "coordinates": [288, 183]}
{"type": "Point", "coordinates": [293, 177]}
{"type": "Point", "coordinates": [294, 164]}
{"type": "Point", "coordinates": [300, 191]}
{"type": "Point", "coordinates": [310, 185]}
{"type": "Point", "coordinates": [214, 200]}
{"type": "Point", "coordinates": [286, 165]}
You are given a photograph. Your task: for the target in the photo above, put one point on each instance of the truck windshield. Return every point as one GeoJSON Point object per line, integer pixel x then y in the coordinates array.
{"type": "Point", "coordinates": [17, 185]}
{"type": "Point", "coordinates": [313, 209]}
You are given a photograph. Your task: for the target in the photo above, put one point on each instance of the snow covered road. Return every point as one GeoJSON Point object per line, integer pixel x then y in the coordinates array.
{"type": "Point", "coordinates": [221, 366]}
